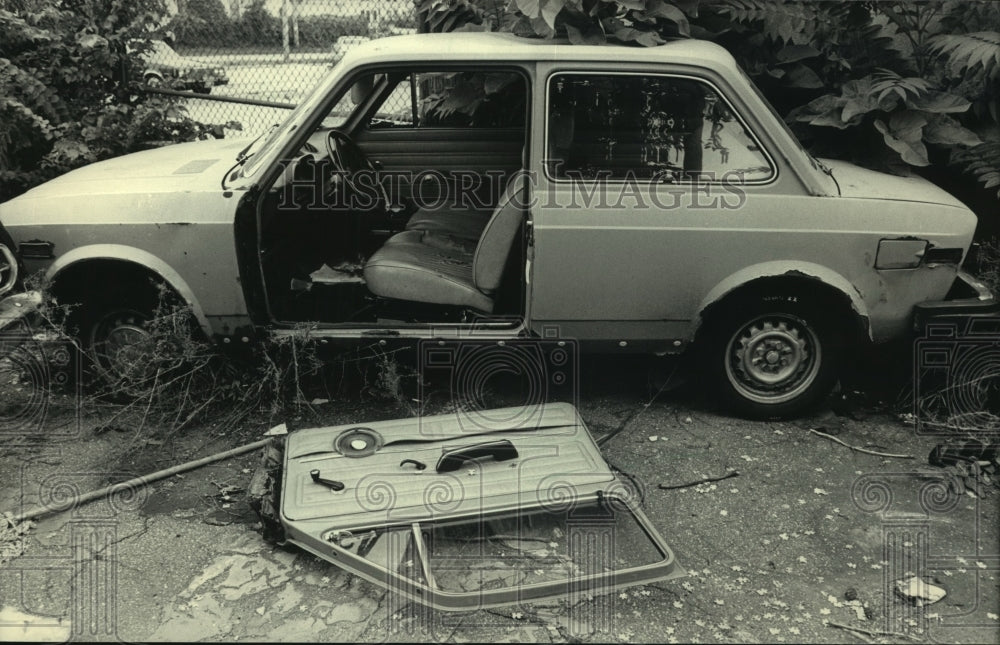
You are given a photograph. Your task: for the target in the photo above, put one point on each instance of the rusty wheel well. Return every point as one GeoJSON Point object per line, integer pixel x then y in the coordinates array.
{"type": "Point", "coordinates": [831, 299]}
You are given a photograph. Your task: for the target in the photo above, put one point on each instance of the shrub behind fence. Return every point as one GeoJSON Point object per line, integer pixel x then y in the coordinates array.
{"type": "Point", "coordinates": [264, 51]}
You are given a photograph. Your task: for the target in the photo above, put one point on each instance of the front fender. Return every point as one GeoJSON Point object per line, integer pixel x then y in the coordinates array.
{"type": "Point", "coordinates": [136, 256]}
{"type": "Point", "coordinates": [786, 269]}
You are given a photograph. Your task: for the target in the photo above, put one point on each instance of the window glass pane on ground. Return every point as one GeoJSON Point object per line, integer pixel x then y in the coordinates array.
{"type": "Point", "coordinates": [509, 550]}
{"type": "Point", "coordinates": [647, 126]}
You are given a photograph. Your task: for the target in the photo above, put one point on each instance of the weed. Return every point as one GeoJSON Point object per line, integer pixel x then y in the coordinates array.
{"type": "Point", "coordinates": [171, 378]}
{"type": "Point", "coordinates": [987, 264]}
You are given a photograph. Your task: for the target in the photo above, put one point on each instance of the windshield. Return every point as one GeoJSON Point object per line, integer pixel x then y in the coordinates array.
{"type": "Point", "coordinates": [264, 144]}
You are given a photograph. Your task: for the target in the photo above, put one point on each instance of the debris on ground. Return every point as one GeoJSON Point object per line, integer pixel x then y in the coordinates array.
{"type": "Point", "coordinates": [973, 463]}
{"type": "Point", "coordinates": [277, 430]}
{"type": "Point", "coordinates": [12, 537]}
{"type": "Point", "coordinates": [918, 592]}
{"type": "Point", "coordinates": [945, 454]}
{"type": "Point", "coordinates": [859, 449]}
{"type": "Point", "coordinates": [703, 480]}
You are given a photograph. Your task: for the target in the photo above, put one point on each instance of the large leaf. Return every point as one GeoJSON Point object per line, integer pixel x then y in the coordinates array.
{"type": "Point", "coordinates": [644, 38]}
{"type": "Point", "coordinates": [660, 9]}
{"type": "Point", "coordinates": [585, 32]}
{"type": "Point", "coordinates": [551, 9]}
{"type": "Point", "coordinates": [904, 134]}
{"type": "Point", "coordinates": [938, 102]}
{"type": "Point", "coordinates": [944, 130]}
{"type": "Point", "coordinates": [803, 77]}
{"type": "Point", "coordinates": [529, 8]}
{"type": "Point", "coordinates": [823, 111]}
{"type": "Point", "coordinates": [538, 27]}
{"type": "Point", "coordinates": [970, 51]}
{"type": "Point", "coordinates": [859, 98]}
{"type": "Point", "coordinates": [793, 53]}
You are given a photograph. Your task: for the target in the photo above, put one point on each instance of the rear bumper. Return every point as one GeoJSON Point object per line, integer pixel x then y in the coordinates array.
{"type": "Point", "coordinates": [968, 298]}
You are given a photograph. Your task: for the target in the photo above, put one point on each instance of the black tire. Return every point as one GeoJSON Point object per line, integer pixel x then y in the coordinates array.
{"type": "Point", "coordinates": [113, 331]}
{"type": "Point", "coordinates": [771, 356]}
{"type": "Point", "coordinates": [153, 80]}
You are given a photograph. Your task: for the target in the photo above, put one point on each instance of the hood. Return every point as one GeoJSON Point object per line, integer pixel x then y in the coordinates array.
{"type": "Point", "coordinates": [183, 167]}
{"type": "Point", "coordinates": [861, 183]}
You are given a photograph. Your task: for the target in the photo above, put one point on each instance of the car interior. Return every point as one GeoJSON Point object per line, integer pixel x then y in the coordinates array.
{"type": "Point", "coordinates": [405, 205]}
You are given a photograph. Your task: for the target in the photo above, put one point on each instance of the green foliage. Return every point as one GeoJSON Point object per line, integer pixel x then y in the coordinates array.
{"type": "Point", "coordinates": [66, 88]}
{"type": "Point", "coordinates": [197, 26]}
{"type": "Point", "coordinates": [972, 54]}
{"type": "Point", "coordinates": [586, 22]}
{"type": "Point", "coordinates": [440, 16]}
{"type": "Point", "coordinates": [787, 22]}
{"type": "Point", "coordinates": [982, 161]}
{"type": "Point", "coordinates": [198, 20]}
{"type": "Point", "coordinates": [883, 82]}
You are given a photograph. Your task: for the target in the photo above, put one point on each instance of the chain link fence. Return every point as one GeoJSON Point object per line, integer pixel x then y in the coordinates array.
{"type": "Point", "coordinates": [249, 61]}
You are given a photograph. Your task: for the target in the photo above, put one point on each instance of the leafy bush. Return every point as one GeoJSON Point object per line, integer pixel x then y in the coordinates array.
{"type": "Point", "coordinates": [197, 21]}
{"type": "Point", "coordinates": [323, 31]}
{"type": "Point", "coordinates": [205, 23]}
{"type": "Point", "coordinates": [888, 84]}
{"type": "Point", "coordinates": [67, 88]}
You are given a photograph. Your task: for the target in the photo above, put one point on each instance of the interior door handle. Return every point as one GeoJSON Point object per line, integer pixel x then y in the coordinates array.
{"type": "Point", "coordinates": [455, 458]}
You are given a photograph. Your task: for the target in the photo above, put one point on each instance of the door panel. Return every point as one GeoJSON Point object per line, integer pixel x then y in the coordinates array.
{"type": "Point", "coordinates": [454, 155]}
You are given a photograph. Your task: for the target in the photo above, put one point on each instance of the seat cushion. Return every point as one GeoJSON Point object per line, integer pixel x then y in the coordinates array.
{"type": "Point", "coordinates": [464, 224]}
{"type": "Point", "coordinates": [408, 268]}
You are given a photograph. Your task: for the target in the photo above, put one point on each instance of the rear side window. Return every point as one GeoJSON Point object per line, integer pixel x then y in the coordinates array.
{"type": "Point", "coordinates": [647, 126]}
{"type": "Point", "coordinates": [455, 99]}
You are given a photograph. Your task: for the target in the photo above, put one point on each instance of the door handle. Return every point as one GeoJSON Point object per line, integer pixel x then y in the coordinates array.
{"type": "Point", "coordinates": [452, 460]}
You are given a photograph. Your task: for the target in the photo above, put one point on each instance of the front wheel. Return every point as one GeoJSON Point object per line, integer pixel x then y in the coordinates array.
{"type": "Point", "coordinates": [772, 356]}
{"type": "Point", "coordinates": [119, 343]}
{"type": "Point", "coordinates": [128, 339]}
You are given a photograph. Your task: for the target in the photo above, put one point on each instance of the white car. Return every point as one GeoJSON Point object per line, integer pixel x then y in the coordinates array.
{"type": "Point", "coordinates": [345, 43]}
{"type": "Point", "coordinates": [437, 186]}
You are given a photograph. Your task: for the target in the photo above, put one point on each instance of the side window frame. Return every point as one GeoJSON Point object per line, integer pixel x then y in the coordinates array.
{"type": "Point", "coordinates": [411, 72]}
{"type": "Point", "coordinates": [726, 178]}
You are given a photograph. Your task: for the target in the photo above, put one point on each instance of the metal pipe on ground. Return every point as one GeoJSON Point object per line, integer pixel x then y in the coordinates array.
{"type": "Point", "coordinates": [40, 511]}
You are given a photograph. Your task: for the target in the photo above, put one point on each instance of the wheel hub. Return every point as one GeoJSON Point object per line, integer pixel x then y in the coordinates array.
{"type": "Point", "coordinates": [773, 358]}
{"type": "Point", "coordinates": [122, 346]}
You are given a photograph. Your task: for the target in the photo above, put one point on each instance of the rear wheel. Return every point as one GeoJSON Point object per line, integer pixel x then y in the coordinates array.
{"type": "Point", "coordinates": [772, 356]}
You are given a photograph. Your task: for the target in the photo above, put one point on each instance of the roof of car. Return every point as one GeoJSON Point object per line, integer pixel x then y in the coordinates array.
{"type": "Point", "coordinates": [466, 46]}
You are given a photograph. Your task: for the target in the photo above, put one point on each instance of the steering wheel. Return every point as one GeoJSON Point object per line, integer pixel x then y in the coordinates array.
{"type": "Point", "coordinates": [356, 171]}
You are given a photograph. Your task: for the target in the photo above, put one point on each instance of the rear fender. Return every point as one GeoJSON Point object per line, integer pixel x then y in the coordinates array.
{"type": "Point", "coordinates": [785, 269]}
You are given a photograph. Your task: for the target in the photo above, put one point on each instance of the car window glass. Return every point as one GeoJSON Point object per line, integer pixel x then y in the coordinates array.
{"type": "Point", "coordinates": [348, 102]}
{"type": "Point", "coordinates": [617, 126]}
{"type": "Point", "coordinates": [396, 110]}
{"type": "Point", "coordinates": [454, 99]}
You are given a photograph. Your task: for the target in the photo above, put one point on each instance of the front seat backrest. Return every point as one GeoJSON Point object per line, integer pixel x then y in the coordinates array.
{"type": "Point", "coordinates": [495, 243]}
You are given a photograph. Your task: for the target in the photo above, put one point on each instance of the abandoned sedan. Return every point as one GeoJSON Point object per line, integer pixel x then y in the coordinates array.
{"type": "Point", "coordinates": [442, 185]}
